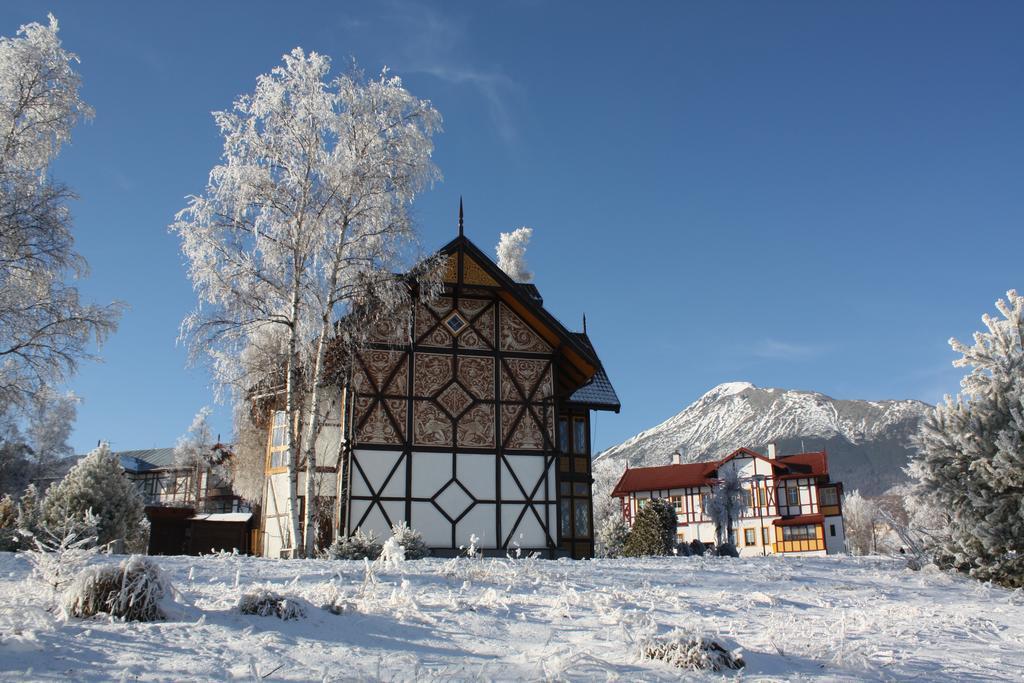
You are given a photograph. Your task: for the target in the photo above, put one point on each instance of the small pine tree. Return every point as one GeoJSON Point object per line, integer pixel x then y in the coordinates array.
{"type": "Point", "coordinates": [28, 511]}
{"type": "Point", "coordinates": [358, 546]}
{"type": "Point", "coordinates": [669, 523]}
{"type": "Point", "coordinates": [653, 532]}
{"type": "Point", "coordinates": [970, 458]}
{"type": "Point", "coordinates": [98, 483]}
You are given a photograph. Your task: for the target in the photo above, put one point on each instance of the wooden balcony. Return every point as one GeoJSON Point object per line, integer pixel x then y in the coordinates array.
{"type": "Point", "coordinates": [799, 546]}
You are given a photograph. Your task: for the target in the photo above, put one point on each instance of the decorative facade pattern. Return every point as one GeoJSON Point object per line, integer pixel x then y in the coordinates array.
{"type": "Point", "coordinates": [454, 429]}
{"type": "Point", "coordinates": [516, 335]}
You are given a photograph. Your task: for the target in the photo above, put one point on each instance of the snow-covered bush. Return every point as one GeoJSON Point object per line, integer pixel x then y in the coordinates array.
{"type": "Point", "coordinates": [358, 546]}
{"type": "Point", "coordinates": [136, 589]}
{"type": "Point", "coordinates": [653, 532]}
{"type": "Point", "coordinates": [691, 652]}
{"type": "Point", "coordinates": [410, 540]}
{"type": "Point", "coordinates": [697, 547]}
{"type": "Point", "coordinates": [683, 549]}
{"type": "Point", "coordinates": [727, 550]}
{"type": "Point", "coordinates": [98, 483]}
{"type": "Point", "coordinates": [611, 536]}
{"type": "Point", "coordinates": [392, 554]}
{"type": "Point", "coordinates": [970, 458]}
{"type": "Point", "coordinates": [265, 602]}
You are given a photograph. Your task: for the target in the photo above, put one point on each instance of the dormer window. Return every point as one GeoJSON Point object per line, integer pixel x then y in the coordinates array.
{"type": "Point", "coordinates": [455, 323]}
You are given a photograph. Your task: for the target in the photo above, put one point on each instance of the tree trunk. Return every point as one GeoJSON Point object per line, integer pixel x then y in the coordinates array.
{"type": "Point", "coordinates": [311, 433]}
{"type": "Point", "coordinates": [309, 444]}
{"type": "Point", "coordinates": [290, 410]}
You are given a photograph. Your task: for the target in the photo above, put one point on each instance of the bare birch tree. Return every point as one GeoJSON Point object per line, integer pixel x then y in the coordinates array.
{"type": "Point", "coordinates": [45, 330]}
{"type": "Point", "coordinates": [301, 228]}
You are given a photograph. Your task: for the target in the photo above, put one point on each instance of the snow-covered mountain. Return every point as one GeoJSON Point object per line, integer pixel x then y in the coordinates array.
{"type": "Point", "coordinates": [868, 442]}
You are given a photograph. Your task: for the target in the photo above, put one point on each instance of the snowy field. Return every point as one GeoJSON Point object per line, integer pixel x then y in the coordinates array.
{"type": "Point", "coordinates": [834, 618]}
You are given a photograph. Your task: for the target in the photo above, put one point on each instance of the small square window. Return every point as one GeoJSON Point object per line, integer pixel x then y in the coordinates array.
{"type": "Point", "coordinates": [455, 323]}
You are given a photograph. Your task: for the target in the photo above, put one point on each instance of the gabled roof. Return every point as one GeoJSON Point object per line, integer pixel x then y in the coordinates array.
{"type": "Point", "coordinates": [525, 299]}
{"type": "Point", "coordinates": [663, 477]}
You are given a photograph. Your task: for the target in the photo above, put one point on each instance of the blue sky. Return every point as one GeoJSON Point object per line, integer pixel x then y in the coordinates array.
{"type": "Point", "coordinates": [803, 195]}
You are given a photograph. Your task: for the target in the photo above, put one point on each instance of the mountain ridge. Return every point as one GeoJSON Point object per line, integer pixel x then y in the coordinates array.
{"type": "Point", "coordinates": [868, 442]}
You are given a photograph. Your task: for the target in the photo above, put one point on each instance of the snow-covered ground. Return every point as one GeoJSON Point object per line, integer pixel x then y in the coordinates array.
{"type": "Point", "coordinates": [831, 618]}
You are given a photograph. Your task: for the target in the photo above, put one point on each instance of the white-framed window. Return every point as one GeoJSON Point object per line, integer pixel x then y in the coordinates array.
{"type": "Point", "coordinates": [793, 496]}
{"type": "Point", "coordinates": [279, 450]}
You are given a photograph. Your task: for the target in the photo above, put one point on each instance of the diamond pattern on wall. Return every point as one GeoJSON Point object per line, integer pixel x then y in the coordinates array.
{"type": "Point", "coordinates": [454, 399]}
{"type": "Point", "coordinates": [453, 499]}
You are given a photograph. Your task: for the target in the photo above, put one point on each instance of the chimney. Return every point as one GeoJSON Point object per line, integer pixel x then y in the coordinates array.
{"type": "Point", "coordinates": [677, 458]}
{"type": "Point", "coordinates": [772, 453]}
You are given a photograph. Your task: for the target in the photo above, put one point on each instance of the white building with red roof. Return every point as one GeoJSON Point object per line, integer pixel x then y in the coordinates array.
{"type": "Point", "coordinates": [791, 504]}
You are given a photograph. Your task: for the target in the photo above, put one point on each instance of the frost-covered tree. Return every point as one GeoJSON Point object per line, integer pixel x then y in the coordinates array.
{"type": "Point", "coordinates": [654, 530]}
{"type": "Point", "coordinates": [249, 455]}
{"type": "Point", "coordinates": [97, 483]}
{"type": "Point", "coordinates": [725, 504]}
{"type": "Point", "coordinates": [861, 523]}
{"type": "Point", "coordinates": [970, 458]}
{"type": "Point", "coordinates": [15, 454]}
{"type": "Point", "coordinates": [34, 452]}
{"type": "Point", "coordinates": [511, 252]}
{"type": "Point", "coordinates": [300, 230]}
{"type": "Point", "coordinates": [45, 329]}
{"type": "Point", "coordinates": [194, 452]}
{"type": "Point", "coordinates": [611, 536]}
{"type": "Point", "coordinates": [50, 422]}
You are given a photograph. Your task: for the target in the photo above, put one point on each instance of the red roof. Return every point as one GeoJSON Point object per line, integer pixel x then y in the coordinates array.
{"type": "Point", "coordinates": [814, 464]}
{"type": "Point", "coordinates": [663, 477]}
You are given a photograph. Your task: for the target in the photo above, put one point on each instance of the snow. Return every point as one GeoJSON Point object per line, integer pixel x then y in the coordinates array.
{"type": "Point", "coordinates": [828, 618]}
{"type": "Point", "coordinates": [223, 517]}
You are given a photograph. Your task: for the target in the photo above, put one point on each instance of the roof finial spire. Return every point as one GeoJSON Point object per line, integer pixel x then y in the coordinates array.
{"type": "Point", "coordinates": [584, 323]}
{"type": "Point", "coordinates": [460, 216]}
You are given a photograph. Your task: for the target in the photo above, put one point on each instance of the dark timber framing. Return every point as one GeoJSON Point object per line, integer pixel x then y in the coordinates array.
{"type": "Point", "coordinates": [569, 365]}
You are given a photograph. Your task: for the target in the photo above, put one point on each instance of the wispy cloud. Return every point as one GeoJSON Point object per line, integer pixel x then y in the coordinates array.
{"type": "Point", "coordinates": [783, 350]}
{"type": "Point", "coordinates": [496, 89]}
{"type": "Point", "coordinates": [429, 42]}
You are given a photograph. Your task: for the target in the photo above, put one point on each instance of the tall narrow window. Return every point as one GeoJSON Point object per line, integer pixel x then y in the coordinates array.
{"type": "Point", "coordinates": [566, 511]}
{"type": "Point", "coordinates": [793, 496]}
{"type": "Point", "coordinates": [827, 497]}
{"type": "Point", "coordinates": [579, 435]}
{"type": "Point", "coordinates": [279, 441]}
{"type": "Point", "coordinates": [563, 434]}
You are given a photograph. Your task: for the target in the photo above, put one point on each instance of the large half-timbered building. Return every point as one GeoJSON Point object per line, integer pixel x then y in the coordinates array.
{"type": "Point", "coordinates": [470, 418]}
